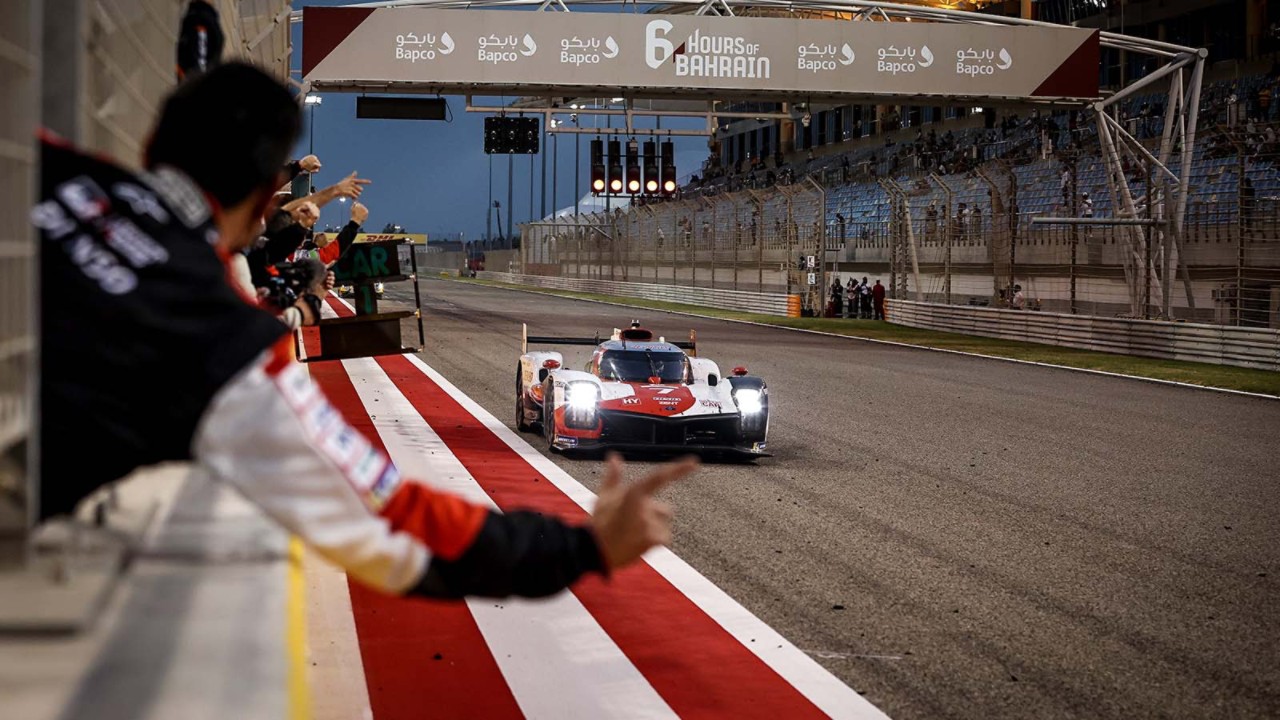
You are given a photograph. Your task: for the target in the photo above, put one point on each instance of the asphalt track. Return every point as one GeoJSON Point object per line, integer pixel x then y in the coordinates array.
{"type": "Point", "coordinates": [955, 536]}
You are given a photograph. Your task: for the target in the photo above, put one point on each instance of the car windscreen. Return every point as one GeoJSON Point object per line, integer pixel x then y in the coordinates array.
{"type": "Point", "coordinates": [641, 365]}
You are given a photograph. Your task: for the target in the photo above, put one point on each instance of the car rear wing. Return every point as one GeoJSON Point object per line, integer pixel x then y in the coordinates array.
{"type": "Point", "coordinates": [526, 340]}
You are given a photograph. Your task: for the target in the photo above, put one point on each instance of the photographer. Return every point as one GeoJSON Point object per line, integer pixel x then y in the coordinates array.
{"type": "Point", "coordinates": [134, 284]}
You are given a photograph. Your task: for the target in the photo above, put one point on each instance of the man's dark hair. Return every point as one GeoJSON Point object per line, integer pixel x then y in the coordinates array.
{"type": "Point", "coordinates": [230, 130]}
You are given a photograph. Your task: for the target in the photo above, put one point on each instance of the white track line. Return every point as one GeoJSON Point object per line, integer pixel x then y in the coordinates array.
{"type": "Point", "coordinates": [557, 660]}
{"type": "Point", "coordinates": [812, 680]}
{"type": "Point", "coordinates": [1158, 381]}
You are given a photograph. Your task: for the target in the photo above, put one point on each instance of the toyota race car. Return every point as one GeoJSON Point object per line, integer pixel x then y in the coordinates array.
{"type": "Point", "coordinates": [637, 393]}
{"type": "Point", "coordinates": [347, 291]}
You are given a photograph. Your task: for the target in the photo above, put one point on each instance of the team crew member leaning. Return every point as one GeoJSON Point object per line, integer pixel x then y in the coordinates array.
{"type": "Point", "coordinates": [150, 355]}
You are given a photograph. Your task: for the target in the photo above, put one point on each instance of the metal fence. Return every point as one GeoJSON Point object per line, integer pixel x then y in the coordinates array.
{"type": "Point", "coordinates": [747, 240]}
{"type": "Point", "coordinates": [968, 237]}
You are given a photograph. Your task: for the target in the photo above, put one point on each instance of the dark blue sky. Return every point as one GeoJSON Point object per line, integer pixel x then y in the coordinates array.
{"type": "Point", "coordinates": [433, 177]}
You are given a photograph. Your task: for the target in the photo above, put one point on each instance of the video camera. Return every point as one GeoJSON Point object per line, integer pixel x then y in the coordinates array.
{"type": "Point", "coordinates": [289, 281]}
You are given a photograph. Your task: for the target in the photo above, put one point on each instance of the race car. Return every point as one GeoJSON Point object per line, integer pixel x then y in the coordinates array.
{"type": "Point", "coordinates": [347, 291]}
{"type": "Point", "coordinates": [638, 393]}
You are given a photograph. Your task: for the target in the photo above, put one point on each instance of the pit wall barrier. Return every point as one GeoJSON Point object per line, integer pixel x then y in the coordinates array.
{"type": "Point", "coordinates": [765, 303]}
{"type": "Point", "coordinates": [1218, 344]}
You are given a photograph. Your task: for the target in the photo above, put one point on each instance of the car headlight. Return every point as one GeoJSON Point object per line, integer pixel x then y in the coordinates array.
{"type": "Point", "coordinates": [583, 396]}
{"type": "Point", "coordinates": [749, 401]}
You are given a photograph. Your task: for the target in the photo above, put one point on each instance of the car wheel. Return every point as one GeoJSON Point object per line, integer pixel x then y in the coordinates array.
{"type": "Point", "coordinates": [549, 415]}
{"type": "Point", "coordinates": [521, 424]}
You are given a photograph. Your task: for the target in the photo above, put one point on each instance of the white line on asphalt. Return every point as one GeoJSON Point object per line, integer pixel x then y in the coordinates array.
{"type": "Point", "coordinates": [812, 680]}
{"type": "Point", "coordinates": [532, 641]}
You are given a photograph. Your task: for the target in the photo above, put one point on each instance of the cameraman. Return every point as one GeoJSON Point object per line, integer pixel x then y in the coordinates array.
{"type": "Point", "coordinates": [134, 285]}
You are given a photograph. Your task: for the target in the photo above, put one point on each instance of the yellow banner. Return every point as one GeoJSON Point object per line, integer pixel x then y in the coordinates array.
{"type": "Point", "coordinates": [416, 239]}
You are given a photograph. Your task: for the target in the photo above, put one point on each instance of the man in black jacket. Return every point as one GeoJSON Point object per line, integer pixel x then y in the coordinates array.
{"type": "Point", "coordinates": [148, 355]}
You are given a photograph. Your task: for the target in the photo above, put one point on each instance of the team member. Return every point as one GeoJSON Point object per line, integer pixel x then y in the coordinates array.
{"type": "Point", "coordinates": [149, 355]}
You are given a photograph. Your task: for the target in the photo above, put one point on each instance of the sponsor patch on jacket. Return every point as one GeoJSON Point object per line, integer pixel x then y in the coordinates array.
{"type": "Point", "coordinates": [385, 487]}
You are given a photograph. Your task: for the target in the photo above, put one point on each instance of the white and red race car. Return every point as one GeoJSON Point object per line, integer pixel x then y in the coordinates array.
{"type": "Point", "coordinates": [637, 393]}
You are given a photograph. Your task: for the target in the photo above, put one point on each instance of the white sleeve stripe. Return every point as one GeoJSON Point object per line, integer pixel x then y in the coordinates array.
{"type": "Point", "coordinates": [259, 435]}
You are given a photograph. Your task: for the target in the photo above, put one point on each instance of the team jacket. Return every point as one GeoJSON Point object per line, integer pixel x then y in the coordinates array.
{"type": "Point", "coordinates": [148, 355]}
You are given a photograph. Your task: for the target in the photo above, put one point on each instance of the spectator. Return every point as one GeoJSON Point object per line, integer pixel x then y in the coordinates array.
{"type": "Point", "coordinates": [241, 407]}
{"type": "Point", "coordinates": [877, 297]}
{"type": "Point", "coordinates": [837, 297]}
{"type": "Point", "coordinates": [1019, 300]}
{"type": "Point", "coordinates": [851, 295]}
{"type": "Point", "coordinates": [1086, 206]}
{"type": "Point", "coordinates": [864, 299]}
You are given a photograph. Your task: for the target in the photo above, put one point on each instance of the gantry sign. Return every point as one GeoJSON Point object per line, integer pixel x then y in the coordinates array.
{"type": "Point", "coordinates": [572, 54]}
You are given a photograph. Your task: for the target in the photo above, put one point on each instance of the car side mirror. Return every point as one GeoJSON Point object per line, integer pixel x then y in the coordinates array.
{"type": "Point", "coordinates": [713, 380]}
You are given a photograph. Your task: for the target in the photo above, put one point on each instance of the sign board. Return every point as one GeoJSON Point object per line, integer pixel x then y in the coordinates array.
{"type": "Point", "coordinates": [473, 51]}
{"type": "Point", "coordinates": [414, 238]}
{"type": "Point", "coordinates": [369, 262]}
{"type": "Point", "coordinates": [810, 261]}
{"type": "Point", "coordinates": [813, 278]}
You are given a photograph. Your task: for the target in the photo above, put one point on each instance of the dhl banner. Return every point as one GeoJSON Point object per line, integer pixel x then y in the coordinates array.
{"type": "Point", "coordinates": [416, 239]}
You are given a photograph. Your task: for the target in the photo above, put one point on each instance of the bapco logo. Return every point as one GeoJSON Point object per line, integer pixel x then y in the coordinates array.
{"type": "Point", "coordinates": [974, 63]}
{"type": "Point", "coordinates": [813, 58]}
{"type": "Point", "coordinates": [574, 51]}
{"type": "Point", "coordinates": [494, 49]}
{"type": "Point", "coordinates": [428, 47]}
{"type": "Point", "coordinates": [907, 60]}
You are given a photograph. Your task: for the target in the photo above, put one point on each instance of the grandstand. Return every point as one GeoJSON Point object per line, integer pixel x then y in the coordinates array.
{"type": "Point", "coordinates": [975, 183]}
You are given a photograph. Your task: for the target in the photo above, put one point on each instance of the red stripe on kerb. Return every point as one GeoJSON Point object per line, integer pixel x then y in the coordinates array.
{"type": "Point", "coordinates": [401, 639]}
{"type": "Point", "coordinates": [324, 28]}
{"type": "Point", "coordinates": [695, 665]}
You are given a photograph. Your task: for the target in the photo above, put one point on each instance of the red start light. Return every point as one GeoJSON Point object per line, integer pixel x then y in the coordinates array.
{"type": "Point", "coordinates": [598, 184]}
{"type": "Point", "coordinates": [669, 186]}
{"type": "Point", "coordinates": [651, 186]}
{"type": "Point", "coordinates": [740, 371]}
{"type": "Point", "coordinates": [551, 364]}
{"type": "Point", "coordinates": [615, 185]}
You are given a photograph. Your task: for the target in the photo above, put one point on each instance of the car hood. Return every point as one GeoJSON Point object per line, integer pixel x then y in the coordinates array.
{"type": "Point", "coordinates": [671, 400]}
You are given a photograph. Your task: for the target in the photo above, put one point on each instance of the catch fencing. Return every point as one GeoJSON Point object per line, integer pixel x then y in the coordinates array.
{"type": "Point", "coordinates": [968, 237]}
{"type": "Point", "coordinates": [724, 299]}
{"type": "Point", "coordinates": [750, 240]}
{"type": "Point", "coordinates": [1197, 342]}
